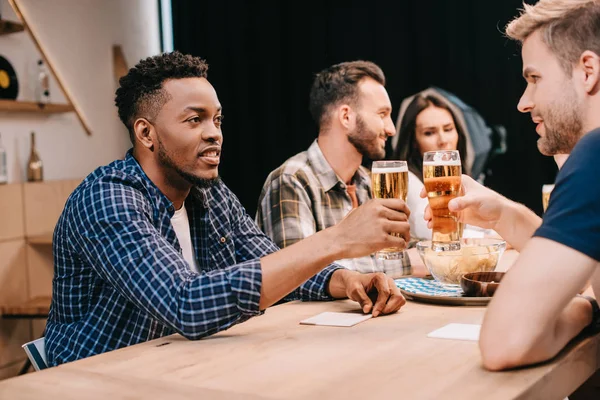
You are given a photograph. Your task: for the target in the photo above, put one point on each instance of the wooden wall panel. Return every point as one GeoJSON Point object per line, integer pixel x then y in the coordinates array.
{"type": "Point", "coordinates": [13, 272]}
{"type": "Point", "coordinates": [11, 212]}
{"type": "Point", "coordinates": [13, 334]}
{"type": "Point", "coordinates": [13, 291]}
{"type": "Point", "coordinates": [37, 328]}
{"type": "Point", "coordinates": [12, 369]}
{"type": "Point", "coordinates": [28, 215]}
{"type": "Point", "coordinates": [40, 268]}
{"type": "Point", "coordinates": [44, 202]}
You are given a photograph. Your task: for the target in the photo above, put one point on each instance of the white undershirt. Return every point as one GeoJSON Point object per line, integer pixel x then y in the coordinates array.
{"type": "Point", "coordinates": [416, 205]}
{"type": "Point", "coordinates": [181, 225]}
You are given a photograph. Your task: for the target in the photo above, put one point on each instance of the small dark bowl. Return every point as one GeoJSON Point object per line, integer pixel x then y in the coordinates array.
{"type": "Point", "coordinates": [480, 284]}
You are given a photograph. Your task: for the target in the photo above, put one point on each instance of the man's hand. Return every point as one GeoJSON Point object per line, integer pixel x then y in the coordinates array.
{"type": "Point", "coordinates": [485, 208]}
{"type": "Point", "coordinates": [369, 228]}
{"type": "Point", "coordinates": [478, 206]}
{"type": "Point", "coordinates": [376, 293]}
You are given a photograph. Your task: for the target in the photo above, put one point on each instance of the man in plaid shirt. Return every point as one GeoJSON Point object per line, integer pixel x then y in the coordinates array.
{"type": "Point", "coordinates": [156, 244]}
{"type": "Point", "coordinates": [317, 188]}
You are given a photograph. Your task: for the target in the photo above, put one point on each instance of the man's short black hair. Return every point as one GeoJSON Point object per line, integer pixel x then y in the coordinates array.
{"type": "Point", "coordinates": [141, 92]}
{"type": "Point", "coordinates": [339, 83]}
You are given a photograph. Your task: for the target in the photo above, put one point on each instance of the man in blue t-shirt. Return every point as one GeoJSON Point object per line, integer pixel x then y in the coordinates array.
{"type": "Point", "coordinates": [537, 310]}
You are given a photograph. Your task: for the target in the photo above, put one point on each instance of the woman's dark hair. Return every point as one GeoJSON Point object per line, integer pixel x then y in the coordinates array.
{"type": "Point", "coordinates": [408, 148]}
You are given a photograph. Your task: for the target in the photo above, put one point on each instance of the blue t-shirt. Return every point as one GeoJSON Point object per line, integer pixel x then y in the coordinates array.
{"type": "Point", "coordinates": [573, 215]}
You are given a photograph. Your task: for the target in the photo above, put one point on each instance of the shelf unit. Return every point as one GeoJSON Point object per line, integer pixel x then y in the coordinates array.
{"type": "Point", "coordinates": [38, 307]}
{"type": "Point", "coordinates": [29, 106]}
{"type": "Point", "coordinates": [8, 27]}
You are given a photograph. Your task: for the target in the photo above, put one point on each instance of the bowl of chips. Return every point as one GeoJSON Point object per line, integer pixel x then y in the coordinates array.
{"type": "Point", "coordinates": [475, 255]}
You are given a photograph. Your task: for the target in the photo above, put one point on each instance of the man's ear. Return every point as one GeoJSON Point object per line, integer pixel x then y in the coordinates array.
{"type": "Point", "coordinates": [144, 133]}
{"type": "Point", "coordinates": [346, 116]}
{"type": "Point", "coordinates": [589, 63]}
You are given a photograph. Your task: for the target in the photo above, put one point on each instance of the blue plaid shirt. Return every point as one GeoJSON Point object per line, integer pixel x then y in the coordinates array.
{"type": "Point", "coordinates": [120, 277]}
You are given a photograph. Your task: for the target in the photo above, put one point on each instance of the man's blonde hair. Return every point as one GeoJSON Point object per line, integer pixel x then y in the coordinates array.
{"type": "Point", "coordinates": [568, 27]}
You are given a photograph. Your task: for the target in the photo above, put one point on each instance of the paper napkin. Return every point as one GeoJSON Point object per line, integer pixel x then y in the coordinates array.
{"type": "Point", "coordinates": [457, 332]}
{"type": "Point", "coordinates": [336, 319]}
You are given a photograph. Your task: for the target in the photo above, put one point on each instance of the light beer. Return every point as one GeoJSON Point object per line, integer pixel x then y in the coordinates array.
{"type": "Point", "coordinates": [389, 180]}
{"type": "Point", "coordinates": [546, 190]}
{"type": "Point", "coordinates": [389, 183]}
{"type": "Point", "coordinates": [442, 180]}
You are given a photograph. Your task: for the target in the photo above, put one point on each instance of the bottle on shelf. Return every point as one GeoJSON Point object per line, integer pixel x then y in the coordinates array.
{"type": "Point", "coordinates": [43, 84]}
{"type": "Point", "coordinates": [3, 165]}
{"type": "Point", "coordinates": [35, 168]}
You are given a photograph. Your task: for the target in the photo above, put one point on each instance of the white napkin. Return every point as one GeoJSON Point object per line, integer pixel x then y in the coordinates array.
{"type": "Point", "coordinates": [457, 332]}
{"type": "Point", "coordinates": [336, 319]}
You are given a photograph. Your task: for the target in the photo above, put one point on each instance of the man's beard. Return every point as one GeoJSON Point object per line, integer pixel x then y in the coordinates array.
{"type": "Point", "coordinates": [365, 141]}
{"type": "Point", "coordinates": [167, 161]}
{"type": "Point", "coordinates": [563, 125]}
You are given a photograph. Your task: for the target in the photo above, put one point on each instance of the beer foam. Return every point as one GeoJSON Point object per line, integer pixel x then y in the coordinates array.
{"type": "Point", "coordinates": [388, 170]}
{"type": "Point", "coordinates": [442, 163]}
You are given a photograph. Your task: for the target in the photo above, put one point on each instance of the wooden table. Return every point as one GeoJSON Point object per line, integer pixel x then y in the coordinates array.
{"type": "Point", "coordinates": [273, 357]}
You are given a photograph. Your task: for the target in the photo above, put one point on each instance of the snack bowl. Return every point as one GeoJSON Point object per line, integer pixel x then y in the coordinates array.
{"type": "Point", "coordinates": [480, 284]}
{"type": "Point", "coordinates": [475, 255]}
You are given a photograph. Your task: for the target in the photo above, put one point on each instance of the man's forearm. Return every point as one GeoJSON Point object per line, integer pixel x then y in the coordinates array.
{"type": "Point", "coordinates": [571, 321]}
{"type": "Point", "coordinates": [576, 316]}
{"type": "Point", "coordinates": [517, 224]}
{"type": "Point", "coordinates": [528, 348]}
{"type": "Point", "coordinates": [285, 270]}
{"type": "Point", "coordinates": [523, 325]}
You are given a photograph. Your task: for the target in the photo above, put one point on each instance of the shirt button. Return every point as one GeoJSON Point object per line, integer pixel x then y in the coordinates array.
{"type": "Point", "coordinates": [171, 209]}
{"type": "Point", "coordinates": [223, 239]}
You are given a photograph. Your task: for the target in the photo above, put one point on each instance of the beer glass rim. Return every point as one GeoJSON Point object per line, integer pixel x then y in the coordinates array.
{"type": "Point", "coordinates": [429, 156]}
{"type": "Point", "coordinates": [442, 152]}
{"type": "Point", "coordinates": [389, 164]}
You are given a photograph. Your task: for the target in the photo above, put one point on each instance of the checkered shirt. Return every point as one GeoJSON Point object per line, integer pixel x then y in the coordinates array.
{"type": "Point", "coordinates": [120, 277]}
{"type": "Point", "coordinates": [304, 196]}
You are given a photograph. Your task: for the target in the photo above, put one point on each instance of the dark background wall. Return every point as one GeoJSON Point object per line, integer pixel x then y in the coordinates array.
{"type": "Point", "coordinates": [263, 56]}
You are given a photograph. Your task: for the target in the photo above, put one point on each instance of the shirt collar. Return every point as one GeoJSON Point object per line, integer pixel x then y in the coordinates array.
{"type": "Point", "coordinates": [362, 177]}
{"type": "Point", "coordinates": [327, 176]}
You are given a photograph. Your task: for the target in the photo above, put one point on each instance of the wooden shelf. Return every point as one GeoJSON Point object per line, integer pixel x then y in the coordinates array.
{"type": "Point", "coordinates": [72, 106]}
{"type": "Point", "coordinates": [8, 27]}
{"type": "Point", "coordinates": [45, 239]}
{"type": "Point", "coordinates": [30, 106]}
{"type": "Point", "coordinates": [38, 307]}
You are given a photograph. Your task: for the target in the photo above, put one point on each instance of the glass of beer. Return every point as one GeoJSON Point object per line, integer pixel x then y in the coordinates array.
{"type": "Point", "coordinates": [442, 179]}
{"type": "Point", "coordinates": [389, 180]}
{"type": "Point", "coordinates": [546, 190]}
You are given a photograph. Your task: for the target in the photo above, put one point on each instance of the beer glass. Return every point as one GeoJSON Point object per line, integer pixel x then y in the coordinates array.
{"type": "Point", "coordinates": [442, 179]}
{"type": "Point", "coordinates": [546, 190]}
{"type": "Point", "coordinates": [389, 180]}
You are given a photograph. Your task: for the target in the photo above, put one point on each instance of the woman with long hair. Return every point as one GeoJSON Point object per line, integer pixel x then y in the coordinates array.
{"type": "Point", "coordinates": [428, 124]}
